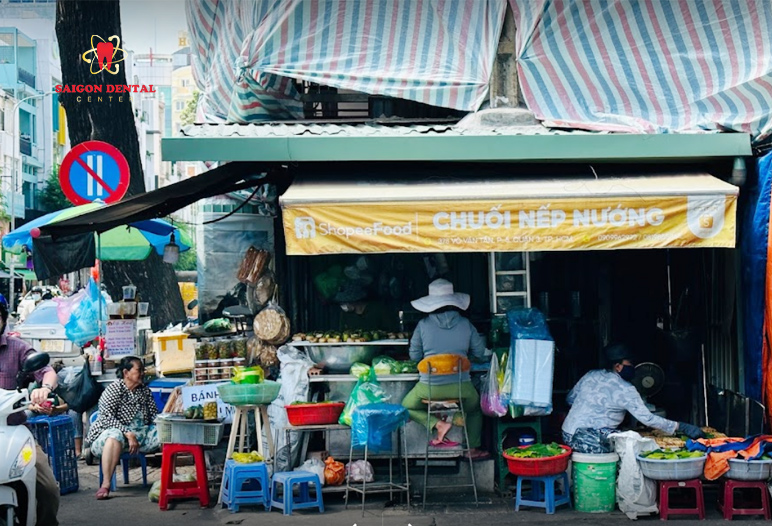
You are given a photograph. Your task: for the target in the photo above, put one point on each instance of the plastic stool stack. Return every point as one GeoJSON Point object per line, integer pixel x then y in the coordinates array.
{"type": "Point", "coordinates": [665, 511]}
{"type": "Point", "coordinates": [183, 490]}
{"type": "Point", "coordinates": [288, 479]}
{"type": "Point", "coordinates": [727, 501]}
{"type": "Point", "coordinates": [237, 477]}
{"type": "Point", "coordinates": [547, 497]}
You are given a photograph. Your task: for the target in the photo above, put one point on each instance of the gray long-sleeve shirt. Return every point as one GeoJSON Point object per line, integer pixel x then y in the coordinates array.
{"type": "Point", "coordinates": [601, 399]}
{"type": "Point", "coordinates": [445, 333]}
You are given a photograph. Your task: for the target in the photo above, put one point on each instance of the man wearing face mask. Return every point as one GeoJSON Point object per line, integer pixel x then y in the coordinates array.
{"type": "Point", "coordinates": [600, 400]}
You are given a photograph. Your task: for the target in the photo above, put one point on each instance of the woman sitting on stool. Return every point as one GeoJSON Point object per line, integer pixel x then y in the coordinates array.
{"type": "Point", "coordinates": [127, 412]}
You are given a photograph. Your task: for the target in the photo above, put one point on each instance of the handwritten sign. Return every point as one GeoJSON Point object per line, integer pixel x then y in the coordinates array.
{"type": "Point", "coordinates": [200, 394]}
{"type": "Point", "coordinates": [121, 338]}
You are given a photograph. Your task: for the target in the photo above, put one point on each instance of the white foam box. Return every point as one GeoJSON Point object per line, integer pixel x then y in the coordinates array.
{"type": "Point", "coordinates": [174, 352]}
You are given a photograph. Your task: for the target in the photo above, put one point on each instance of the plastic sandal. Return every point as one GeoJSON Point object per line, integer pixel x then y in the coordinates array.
{"type": "Point", "coordinates": [103, 494]}
{"type": "Point", "coordinates": [444, 444]}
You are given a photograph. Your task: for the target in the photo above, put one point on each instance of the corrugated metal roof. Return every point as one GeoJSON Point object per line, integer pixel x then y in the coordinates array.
{"type": "Point", "coordinates": [369, 130]}
{"type": "Point", "coordinates": [445, 142]}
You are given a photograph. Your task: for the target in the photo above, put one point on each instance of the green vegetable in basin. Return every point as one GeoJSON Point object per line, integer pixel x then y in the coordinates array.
{"type": "Point", "coordinates": [536, 451]}
{"type": "Point", "coordinates": [679, 454]}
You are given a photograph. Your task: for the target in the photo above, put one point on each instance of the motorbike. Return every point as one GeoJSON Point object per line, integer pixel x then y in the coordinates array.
{"type": "Point", "coordinates": [18, 452]}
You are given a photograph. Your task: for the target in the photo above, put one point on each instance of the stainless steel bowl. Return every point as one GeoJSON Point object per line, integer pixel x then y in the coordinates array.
{"type": "Point", "coordinates": [340, 358]}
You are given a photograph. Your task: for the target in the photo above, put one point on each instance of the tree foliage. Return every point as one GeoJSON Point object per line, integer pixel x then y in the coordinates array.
{"type": "Point", "coordinates": [188, 115]}
{"type": "Point", "coordinates": [188, 259]}
{"type": "Point", "coordinates": [51, 198]}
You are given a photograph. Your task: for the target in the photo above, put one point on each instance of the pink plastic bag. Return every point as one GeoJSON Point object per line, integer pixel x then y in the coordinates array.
{"type": "Point", "coordinates": [490, 400]}
{"type": "Point", "coordinates": [66, 306]}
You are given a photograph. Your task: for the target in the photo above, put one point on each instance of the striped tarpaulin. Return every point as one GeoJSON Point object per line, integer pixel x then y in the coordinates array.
{"type": "Point", "coordinates": [651, 66]}
{"type": "Point", "coordinates": [437, 52]}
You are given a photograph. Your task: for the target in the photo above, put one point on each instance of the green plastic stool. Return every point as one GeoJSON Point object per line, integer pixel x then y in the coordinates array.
{"type": "Point", "coordinates": [503, 425]}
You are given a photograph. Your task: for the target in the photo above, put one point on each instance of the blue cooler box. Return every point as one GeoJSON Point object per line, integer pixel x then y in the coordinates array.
{"type": "Point", "coordinates": [162, 388]}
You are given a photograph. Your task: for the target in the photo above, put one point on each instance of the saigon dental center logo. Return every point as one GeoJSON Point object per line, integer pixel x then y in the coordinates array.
{"type": "Point", "coordinates": [104, 55]}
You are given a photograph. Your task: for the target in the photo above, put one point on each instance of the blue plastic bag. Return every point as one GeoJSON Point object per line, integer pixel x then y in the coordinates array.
{"type": "Point", "coordinates": [83, 326]}
{"type": "Point", "coordinates": [372, 425]}
{"type": "Point", "coordinates": [528, 324]}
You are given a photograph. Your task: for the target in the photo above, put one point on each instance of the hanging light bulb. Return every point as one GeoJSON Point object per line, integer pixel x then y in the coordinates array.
{"type": "Point", "coordinates": [171, 252]}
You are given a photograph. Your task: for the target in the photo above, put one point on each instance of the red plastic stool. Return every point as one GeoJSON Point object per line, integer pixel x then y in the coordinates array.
{"type": "Point", "coordinates": [664, 498]}
{"type": "Point", "coordinates": [183, 490]}
{"type": "Point", "coordinates": [726, 500]}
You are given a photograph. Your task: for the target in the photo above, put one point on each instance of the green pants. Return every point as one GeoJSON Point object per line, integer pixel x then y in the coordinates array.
{"type": "Point", "coordinates": [413, 402]}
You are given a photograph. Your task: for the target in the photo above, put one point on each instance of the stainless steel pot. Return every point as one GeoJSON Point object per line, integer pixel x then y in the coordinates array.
{"type": "Point", "coordinates": [340, 358]}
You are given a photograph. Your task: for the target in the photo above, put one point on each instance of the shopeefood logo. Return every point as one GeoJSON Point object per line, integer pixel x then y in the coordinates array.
{"type": "Point", "coordinates": [104, 55]}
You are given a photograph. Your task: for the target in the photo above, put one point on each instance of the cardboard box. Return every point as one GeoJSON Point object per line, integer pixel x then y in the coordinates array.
{"type": "Point", "coordinates": [174, 352]}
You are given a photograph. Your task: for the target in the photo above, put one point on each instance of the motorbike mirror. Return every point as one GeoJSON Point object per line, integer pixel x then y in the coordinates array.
{"type": "Point", "coordinates": [35, 362]}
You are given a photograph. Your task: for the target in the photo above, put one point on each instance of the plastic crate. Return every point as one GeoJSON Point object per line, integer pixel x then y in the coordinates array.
{"type": "Point", "coordinates": [249, 394]}
{"type": "Point", "coordinates": [162, 389]}
{"type": "Point", "coordinates": [189, 432]}
{"type": "Point", "coordinates": [681, 469]}
{"type": "Point", "coordinates": [539, 467]}
{"type": "Point", "coordinates": [314, 414]}
{"type": "Point", "coordinates": [56, 436]}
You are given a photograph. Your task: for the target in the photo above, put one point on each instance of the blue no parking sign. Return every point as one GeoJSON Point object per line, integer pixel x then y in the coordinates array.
{"type": "Point", "coordinates": [94, 170]}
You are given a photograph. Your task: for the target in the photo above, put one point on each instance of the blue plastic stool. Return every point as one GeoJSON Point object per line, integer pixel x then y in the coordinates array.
{"type": "Point", "coordinates": [124, 461]}
{"type": "Point", "coordinates": [235, 478]}
{"type": "Point", "coordinates": [288, 479]}
{"type": "Point", "coordinates": [543, 498]}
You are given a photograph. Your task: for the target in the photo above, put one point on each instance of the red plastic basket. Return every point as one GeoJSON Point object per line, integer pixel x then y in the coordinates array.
{"type": "Point", "coordinates": [539, 467]}
{"type": "Point", "coordinates": [314, 414]}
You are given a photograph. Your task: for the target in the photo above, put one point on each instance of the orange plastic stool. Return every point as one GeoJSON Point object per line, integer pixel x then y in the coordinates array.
{"type": "Point", "coordinates": [727, 502]}
{"type": "Point", "coordinates": [183, 490]}
{"type": "Point", "coordinates": [665, 511]}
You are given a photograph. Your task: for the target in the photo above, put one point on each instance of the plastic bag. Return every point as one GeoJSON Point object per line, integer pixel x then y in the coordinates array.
{"type": "Point", "coordinates": [155, 492]}
{"type": "Point", "coordinates": [635, 493]}
{"type": "Point", "coordinates": [385, 365]}
{"type": "Point", "coordinates": [272, 325]}
{"type": "Point", "coordinates": [528, 324]}
{"type": "Point", "coordinates": [248, 375]}
{"type": "Point", "coordinates": [313, 465]}
{"type": "Point", "coordinates": [66, 306]}
{"type": "Point", "coordinates": [328, 282]}
{"type": "Point", "coordinates": [261, 353]}
{"type": "Point", "coordinates": [264, 288]}
{"type": "Point", "coordinates": [82, 393]}
{"type": "Point", "coordinates": [334, 472]}
{"type": "Point", "coordinates": [533, 371]}
{"type": "Point", "coordinates": [360, 471]}
{"type": "Point", "coordinates": [372, 425]}
{"type": "Point", "coordinates": [490, 401]}
{"type": "Point", "coordinates": [253, 265]}
{"type": "Point", "coordinates": [218, 325]}
{"type": "Point", "coordinates": [366, 391]}
{"type": "Point", "coordinates": [359, 369]}
{"type": "Point", "coordinates": [83, 325]}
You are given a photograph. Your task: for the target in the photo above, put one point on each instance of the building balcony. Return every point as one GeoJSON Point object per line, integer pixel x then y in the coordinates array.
{"type": "Point", "coordinates": [27, 78]}
{"type": "Point", "coordinates": [25, 146]}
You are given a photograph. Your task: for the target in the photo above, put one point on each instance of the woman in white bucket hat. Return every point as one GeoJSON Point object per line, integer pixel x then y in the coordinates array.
{"type": "Point", "coordinates": [445, 331]}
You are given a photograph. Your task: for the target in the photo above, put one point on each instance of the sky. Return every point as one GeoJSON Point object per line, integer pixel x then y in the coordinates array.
{"type": "Point", "coordinates": [152, 24]}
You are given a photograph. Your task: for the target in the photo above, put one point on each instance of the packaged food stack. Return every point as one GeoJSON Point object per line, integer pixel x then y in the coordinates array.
{"type": "Point", "coordinates": [216, 357]}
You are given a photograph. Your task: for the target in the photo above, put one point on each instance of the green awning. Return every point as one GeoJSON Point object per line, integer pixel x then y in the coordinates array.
{"type": "Point", "coordinates": [28, 275]}
{"type": "Point", "coordinates": [312, 142]}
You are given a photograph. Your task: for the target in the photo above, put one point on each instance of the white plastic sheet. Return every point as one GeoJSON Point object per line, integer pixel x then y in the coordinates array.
{"type": "Point", "coordinates": [636, 495]}
{"type": "Point", "coordinates": [533, 372]}
{"type": "Point", "coordinates": [295, 365]}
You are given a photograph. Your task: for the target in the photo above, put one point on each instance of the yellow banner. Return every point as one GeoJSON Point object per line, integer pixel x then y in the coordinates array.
{"type": "Point", "coordinates": [525, 225]}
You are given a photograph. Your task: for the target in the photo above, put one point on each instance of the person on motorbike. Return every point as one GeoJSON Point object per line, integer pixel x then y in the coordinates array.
{"type": "Point", "coordinates": [13, 352]}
